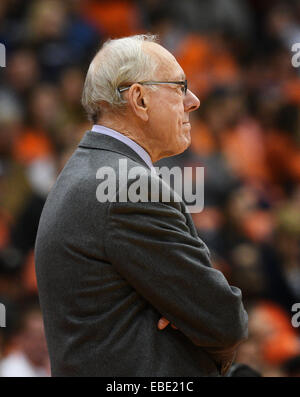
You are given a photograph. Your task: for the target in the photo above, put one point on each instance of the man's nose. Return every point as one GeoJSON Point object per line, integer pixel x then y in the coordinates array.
{"type": "Point", "coordinates": [191, 102]}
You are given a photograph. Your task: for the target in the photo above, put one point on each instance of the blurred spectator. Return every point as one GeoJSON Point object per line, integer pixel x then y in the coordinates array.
{"type": "Point", "coordinates": [282, 24]}
{"type": "Point", "coordinates": [272, 340]}
{"type": "Point", "coordinates": [59, 38]}
{"type": "Point", "coordinates": [27, 356]}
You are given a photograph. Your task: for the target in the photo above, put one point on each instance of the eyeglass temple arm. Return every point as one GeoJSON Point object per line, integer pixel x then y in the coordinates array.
{"type": "Point", "coordinates": [152, 83]}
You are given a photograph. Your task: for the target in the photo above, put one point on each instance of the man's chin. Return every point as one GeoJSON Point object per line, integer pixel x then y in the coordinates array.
{"type": "Point", "coordinates": [186, 141]}
{"type": "Point", "coordinates": [182, 145]}
{"type": "Point", "coordinates": [187, 137]}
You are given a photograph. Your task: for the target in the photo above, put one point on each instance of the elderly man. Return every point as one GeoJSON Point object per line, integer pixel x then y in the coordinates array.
{"type": "Point", "coordinates": [112, 274]}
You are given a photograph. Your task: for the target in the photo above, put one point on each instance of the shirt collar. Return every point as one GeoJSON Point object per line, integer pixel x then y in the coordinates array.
{"type": "Point", "coordinates": [127, 141]}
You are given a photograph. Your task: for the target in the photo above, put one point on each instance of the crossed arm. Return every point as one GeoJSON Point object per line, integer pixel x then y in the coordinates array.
{"type": "Point", "coordinates": [171, 269]}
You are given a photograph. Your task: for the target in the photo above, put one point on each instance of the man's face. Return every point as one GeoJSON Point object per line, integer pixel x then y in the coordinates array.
{"type": "Point", "coordinates": [169, 128]}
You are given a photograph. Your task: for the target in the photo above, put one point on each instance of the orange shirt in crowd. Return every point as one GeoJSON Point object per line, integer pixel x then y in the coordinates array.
{"type": "Point", "coordinates": [244, 150]}
{"type": "Point", "coordinates": [116, 18]}
{"type": "Point", "coordinates": [282, 342]}
{"type": "Point", "coordinates": [283, 156]}
{"type": "Point", "coordinates": [205, 65]}
{"type": "Point", "coordinates": [30, 145]}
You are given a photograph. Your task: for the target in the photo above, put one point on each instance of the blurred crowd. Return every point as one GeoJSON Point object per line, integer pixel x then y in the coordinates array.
{"type": "Point", "coordinates": [246, 133]}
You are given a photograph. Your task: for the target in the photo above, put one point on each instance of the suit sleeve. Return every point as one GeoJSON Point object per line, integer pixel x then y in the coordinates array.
{"type": "Point", "coordinates": [151, 246]}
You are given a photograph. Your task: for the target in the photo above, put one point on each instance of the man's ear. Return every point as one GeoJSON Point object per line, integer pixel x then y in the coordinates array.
{"type": "Point", "coordinates": [137, 100]}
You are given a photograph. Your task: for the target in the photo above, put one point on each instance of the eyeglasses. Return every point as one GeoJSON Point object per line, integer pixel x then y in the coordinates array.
{"type": "Point", "coordinates": [183, 84]}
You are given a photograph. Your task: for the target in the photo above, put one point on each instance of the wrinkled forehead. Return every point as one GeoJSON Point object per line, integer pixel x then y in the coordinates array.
{"type": "Point", "coordinates": [168, 67]}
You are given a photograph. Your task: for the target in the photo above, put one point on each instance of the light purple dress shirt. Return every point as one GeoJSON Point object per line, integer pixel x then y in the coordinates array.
{"type": "Point", "coordinates": [129, 142]}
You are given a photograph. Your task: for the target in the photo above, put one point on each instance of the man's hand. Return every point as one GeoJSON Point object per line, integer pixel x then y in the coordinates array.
{"type": "Point", "coordinates": [163, 323]}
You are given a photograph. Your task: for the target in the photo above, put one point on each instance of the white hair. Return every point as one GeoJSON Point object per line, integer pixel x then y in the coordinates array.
{"type": "Point", "coordinates": [119, 62]}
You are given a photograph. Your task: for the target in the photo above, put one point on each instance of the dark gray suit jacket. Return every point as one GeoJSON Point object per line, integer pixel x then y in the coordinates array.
{"type": "Point", "coordinates": [108, 271]}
